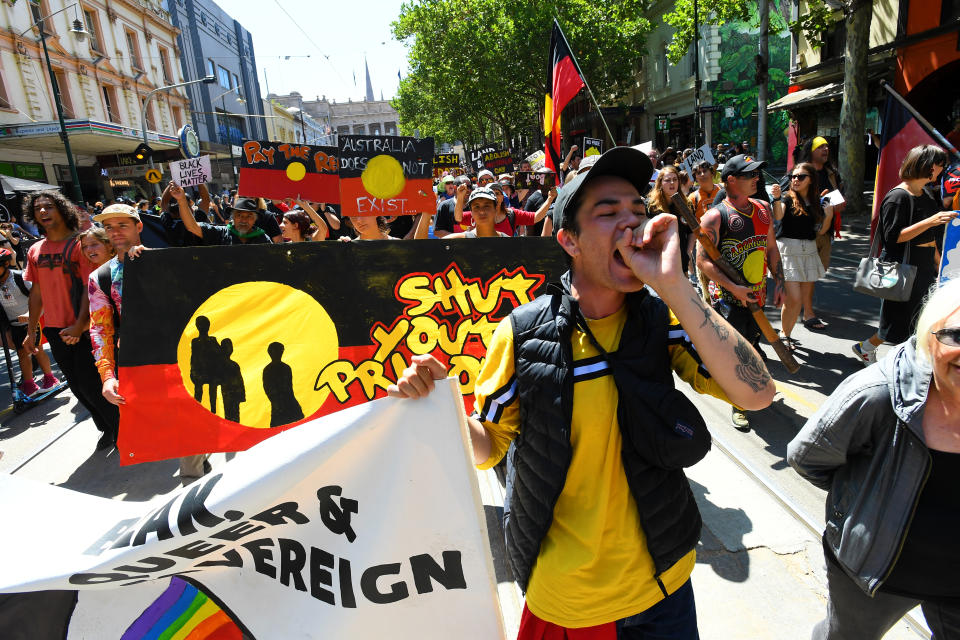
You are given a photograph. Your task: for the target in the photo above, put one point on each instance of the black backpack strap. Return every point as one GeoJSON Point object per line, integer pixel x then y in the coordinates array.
{"type": "Point", "coordinates": [512, 219]}
{"type": "Point", "coordinates": [21, 284]}
{"type": "Point", "coordinates": [104, 281]}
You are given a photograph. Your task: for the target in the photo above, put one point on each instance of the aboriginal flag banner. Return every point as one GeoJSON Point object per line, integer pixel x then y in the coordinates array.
{"type": "Point", "coordinates": [278, 170]}
{"type": "Point", "coordinates": [564, 81]}
{"type": "Point", "coordinates": [234, 344]}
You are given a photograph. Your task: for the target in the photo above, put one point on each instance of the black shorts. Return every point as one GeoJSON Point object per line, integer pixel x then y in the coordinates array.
{"type": "Point", "coordinates": [18, 333]}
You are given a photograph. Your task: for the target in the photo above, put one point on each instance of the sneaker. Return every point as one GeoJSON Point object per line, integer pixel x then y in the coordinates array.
{"type": "Point", "coordinates": [866, 357]}
{"type": "Point", "coordinates": [50, 381]}
{"type": "Point", "coordinates": [740, 420]}
{"type": "Point", "coordinates": [29, 388]}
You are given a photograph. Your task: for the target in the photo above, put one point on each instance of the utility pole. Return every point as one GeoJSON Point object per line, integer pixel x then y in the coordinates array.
{"type": "Point", "coordinates": [698, 116]}
{"type": "Point", "coordinates": [763, 61]}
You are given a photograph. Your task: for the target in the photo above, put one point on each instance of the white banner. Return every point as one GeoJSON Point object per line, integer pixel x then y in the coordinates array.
{"type": "Point", "coordinates": [694, 159]}
{"type": "Point", "coordinates": [366, 523]}
{"type": "Point", "coordinates": [191, 172]}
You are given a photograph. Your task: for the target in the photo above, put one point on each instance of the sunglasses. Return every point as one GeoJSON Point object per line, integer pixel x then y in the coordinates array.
{"type": "Point", "coordinates": [799, 176]}
{"type": "Point", "coordinates": [748, 174]}
{"type": "Point", "coordinates": [949, 337]}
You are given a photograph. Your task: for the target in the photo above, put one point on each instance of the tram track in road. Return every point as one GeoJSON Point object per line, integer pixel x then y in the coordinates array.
{"type": "Point", "coordinates": [814, 526]}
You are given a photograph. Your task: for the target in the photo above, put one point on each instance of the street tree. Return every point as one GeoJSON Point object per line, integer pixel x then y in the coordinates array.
{"type": "Point", "coordinates": [478, 67]}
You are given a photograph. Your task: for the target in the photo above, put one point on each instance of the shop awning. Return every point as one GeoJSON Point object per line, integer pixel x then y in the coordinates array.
{"type": "Point", "coordinates": [808, 97]}
{"type": "Point", "coordinates": [13, 186]}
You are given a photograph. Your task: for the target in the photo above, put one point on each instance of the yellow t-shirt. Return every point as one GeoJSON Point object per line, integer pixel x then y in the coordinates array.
{"type": "Point", "coordinates": [593, 565]}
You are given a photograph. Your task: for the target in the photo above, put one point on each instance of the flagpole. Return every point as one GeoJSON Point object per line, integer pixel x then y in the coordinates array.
{"type": "Point", "coordinates": [585, 83]}
{"type": "Point", "coordinates": [923, 122]}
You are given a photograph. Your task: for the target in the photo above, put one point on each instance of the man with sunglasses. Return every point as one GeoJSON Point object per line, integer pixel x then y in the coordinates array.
{"type": "Point", "coordinates": [740, 226]}
{"type": "Point", "coordinates": [485, 177]}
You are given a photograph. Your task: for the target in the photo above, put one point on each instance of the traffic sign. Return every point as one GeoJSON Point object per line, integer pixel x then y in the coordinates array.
{"type": "Point", "coordinates": [153, 176]}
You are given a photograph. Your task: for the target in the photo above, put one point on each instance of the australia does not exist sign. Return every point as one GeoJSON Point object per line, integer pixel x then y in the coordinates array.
{"type": "Point", "coordinates": [386, 175]}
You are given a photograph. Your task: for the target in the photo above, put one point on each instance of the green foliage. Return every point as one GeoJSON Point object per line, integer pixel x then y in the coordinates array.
{"type": "Point", "coordinates": [813, 23]}
{"type": "Point", "coordinates": [738, 50]}
{"type": "Point", "coordinates": [478, 67]}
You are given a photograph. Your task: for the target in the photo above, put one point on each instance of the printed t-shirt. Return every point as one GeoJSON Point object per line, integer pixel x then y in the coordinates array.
{"type": "Point", "coordinates": [14, 302]}
{"type": "Point", "coordinates": [45, 267]}
{"type": "Point", "coordinates": [102, 323]}
{"type": "Point", "coordinates": [743, 242]}
{"type": "Point", "coordinates": [593, 565]}
{"type": "Point", "coordinates": [700, 200]}
{"type": "Point", "coordinates": [521, 219]}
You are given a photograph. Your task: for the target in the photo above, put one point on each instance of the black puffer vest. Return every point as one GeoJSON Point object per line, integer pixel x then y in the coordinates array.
{"type": "Point", "coordinates": [541, 453]}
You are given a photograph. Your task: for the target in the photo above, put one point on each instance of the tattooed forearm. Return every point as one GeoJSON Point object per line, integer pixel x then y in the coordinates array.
{"type": "Point", "coordinates": [722, 332]}
{"type": "Point", "coordinates": [749, 367]}
{"type": "Point", "coordinates": [777, 273]}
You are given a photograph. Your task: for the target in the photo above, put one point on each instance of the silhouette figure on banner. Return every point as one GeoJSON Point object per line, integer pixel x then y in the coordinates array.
{"type": "Point", "coordinates": [205, 363]}
{"type": "Point", "coordinates": [278, 385]}
{"type": "Point", "coordinates": [231, 382]}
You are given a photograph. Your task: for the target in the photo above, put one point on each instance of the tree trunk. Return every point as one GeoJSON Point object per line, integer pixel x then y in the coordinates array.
{"type": "Point", "coordinates": [853, 112]}
{"type": "Point", "coordinates": [763, 64]}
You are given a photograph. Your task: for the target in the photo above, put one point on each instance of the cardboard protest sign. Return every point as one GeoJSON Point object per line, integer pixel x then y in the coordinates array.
{"type": "Point", "coordinates": [363, 524]}
{"type": "Point", "coordinates": [537, 159]}
{"type": "Point", "coordinates": [217, 358]}
{"type": "Point", "coordinates": [592, 146]}
{"type": "Point", "coordinates": [191, 171]}
{"type": "Point", "coordinates": [703, 154]}
{"type": "Point", "coordinates": [386, 176]}
{"type": "Point", "coordinates": [445, 162]}
{"type": "Point", "coordinates": [950, 260]}
{"type": "Point", "coordinates": [498, 161]}
{"type": "Point", "coordinates": [278, 170]}
{"type": "Point", "coordinates": [534, 180]}
{"type": "Point", "coordinates": [476, 157]}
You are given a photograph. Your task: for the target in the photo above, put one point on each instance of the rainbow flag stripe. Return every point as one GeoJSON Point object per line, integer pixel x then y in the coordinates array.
{"type": "Point", "coordinates": [183, 612]}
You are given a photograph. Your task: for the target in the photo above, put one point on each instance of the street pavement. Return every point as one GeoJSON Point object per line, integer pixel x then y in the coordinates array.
{"type": "Point", "coordinates": [759, 572]}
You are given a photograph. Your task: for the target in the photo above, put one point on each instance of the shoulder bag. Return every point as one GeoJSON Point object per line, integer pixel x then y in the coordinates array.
{"type": "Point", "coordinates": [886, 279]}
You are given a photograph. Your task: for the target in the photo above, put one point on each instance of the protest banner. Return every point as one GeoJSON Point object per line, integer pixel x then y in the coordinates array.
{"type": "Point", "coordinates": [534, 180]}
{"type": "Point", "coordinates": [703, 154]}
{"type": "Point", "coordinates": [950, 260]}
{"type": "Point", "coordinates": [278, 170]}
{"type": "Point", "coordinates": [498, 161]}
{"type": "Point", "coordinates": [476, 157]}
{"type": "Point", "coordinates": [386, 176]}
{"type": "Point", "coordinates": [537, 159]}
{"type": "Point", "coordinates": [216, 358]}
{"type": "Point", "coordinates": [191, 171]}
{"type": "Point", "coordinates": [445, 162]}
{"type": "Point", "coordinates": [364, 524]}
{"type": "Point", "coordinates": [592, 146]}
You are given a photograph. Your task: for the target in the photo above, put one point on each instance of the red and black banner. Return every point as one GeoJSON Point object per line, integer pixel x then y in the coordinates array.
{"type": "Point", "coordinates": [386, 176]}
{"type": "Point", "coordinates": [448, 162]}
{"type": "Point", "coordinates": [278, 170]}
{"type": "Point", "coordinates": [234, 344]}
{"type": "Point", "coordinates": [564, 81]}
{"type": "Point", "coordinates": [499, 161]}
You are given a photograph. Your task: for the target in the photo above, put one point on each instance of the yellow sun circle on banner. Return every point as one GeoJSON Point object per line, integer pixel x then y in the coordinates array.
{"type": "Point", "coordinates": [261, 348]}
{"type": "Point", "coordinates": [383, 177]}
{"type": "Point", "coordinates": [296, 171]}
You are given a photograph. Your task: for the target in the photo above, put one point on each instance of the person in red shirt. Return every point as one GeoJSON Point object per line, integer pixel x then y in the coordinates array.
{"type": "Point", "coordinates": [509, 219]}
{"type": "Point", "coordinates": [58, 270]}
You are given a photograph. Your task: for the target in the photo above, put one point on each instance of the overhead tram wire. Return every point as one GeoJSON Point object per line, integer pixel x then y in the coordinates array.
{"type": "Point", "coordinates": [306, 35]}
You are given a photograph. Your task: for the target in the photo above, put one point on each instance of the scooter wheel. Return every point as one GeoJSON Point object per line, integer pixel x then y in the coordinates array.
{"type": "Point", "coordinates": [19, 407]}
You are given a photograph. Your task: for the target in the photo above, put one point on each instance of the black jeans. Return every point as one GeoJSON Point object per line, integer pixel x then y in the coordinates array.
{"type": "Point", "coordinates": [78, 367]}
{"type": "Point", "coordinates": [853, 615]}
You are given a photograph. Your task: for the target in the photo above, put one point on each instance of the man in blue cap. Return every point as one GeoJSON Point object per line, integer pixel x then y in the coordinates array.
{"type": "Point", "coordinates": [601, 524]}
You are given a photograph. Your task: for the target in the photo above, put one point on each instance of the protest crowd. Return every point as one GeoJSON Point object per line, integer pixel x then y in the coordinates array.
{"type": "Point", "coordinates": [673, 259]}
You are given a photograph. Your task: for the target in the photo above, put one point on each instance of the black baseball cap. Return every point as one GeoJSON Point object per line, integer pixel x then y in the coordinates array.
{"type": "Point", "coordinates": [741, 164]}
{"type": "Point", "coordinates": [623, 162]}
{"type": "Point", "coordinates": [246, 204]}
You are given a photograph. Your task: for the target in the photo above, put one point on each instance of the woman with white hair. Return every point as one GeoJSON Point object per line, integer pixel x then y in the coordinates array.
{"type": "Point", "coordinates": [886, 445]}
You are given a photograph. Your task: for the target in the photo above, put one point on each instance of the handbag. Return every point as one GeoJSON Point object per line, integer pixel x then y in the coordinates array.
{"type": "Point", "coordinates": [885, 279]}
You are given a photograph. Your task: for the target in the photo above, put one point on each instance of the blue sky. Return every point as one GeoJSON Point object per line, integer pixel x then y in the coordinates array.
{"type": "Point", "coordinates": [338, 35]}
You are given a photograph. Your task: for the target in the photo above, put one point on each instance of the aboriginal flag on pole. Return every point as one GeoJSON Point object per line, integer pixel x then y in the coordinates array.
{"type": "Point", "coordinates": [564, 81]}
{"type": "Point", "coordinates": [904, 129]}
